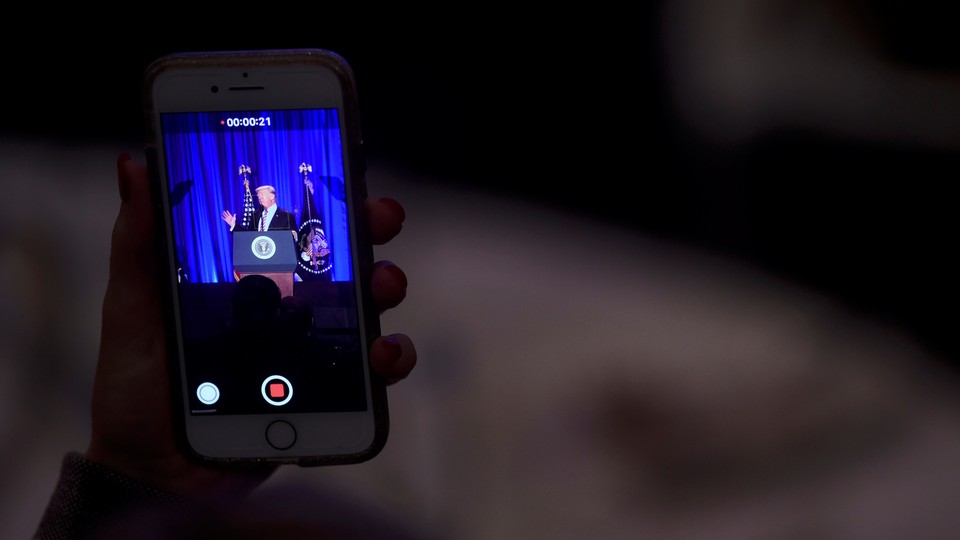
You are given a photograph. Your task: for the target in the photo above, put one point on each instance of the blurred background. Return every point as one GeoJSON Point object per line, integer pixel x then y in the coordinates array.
{"type": "Point", "coordinates": [683, 272]}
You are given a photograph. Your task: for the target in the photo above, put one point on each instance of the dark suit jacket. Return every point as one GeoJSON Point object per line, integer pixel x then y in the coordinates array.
{"type": "Point", "coordinates": [282, 220]}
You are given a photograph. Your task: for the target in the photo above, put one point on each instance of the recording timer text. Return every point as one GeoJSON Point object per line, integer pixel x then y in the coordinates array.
{"type": "Point", "coordinates": [252, 121]}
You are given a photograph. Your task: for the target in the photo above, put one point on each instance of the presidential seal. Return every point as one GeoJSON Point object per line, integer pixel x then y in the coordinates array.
{"type": "Point", "coordinates": [263, 247]}
{"type": "Point", "coordinates": [314, 259]}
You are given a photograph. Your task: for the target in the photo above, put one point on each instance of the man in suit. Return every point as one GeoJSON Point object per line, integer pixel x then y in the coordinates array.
{"type": "Point", "coordinates": [270, 217]}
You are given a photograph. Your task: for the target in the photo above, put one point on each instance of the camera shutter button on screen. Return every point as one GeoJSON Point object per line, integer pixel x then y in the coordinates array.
{"type": "Point", "coordinates": [276, 390]}
{"type": "Point", "coordinates": [208, 393]}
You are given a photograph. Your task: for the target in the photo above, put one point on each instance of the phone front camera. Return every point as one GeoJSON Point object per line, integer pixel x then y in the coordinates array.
{"type": "Point", "coordinates": [214, 89]}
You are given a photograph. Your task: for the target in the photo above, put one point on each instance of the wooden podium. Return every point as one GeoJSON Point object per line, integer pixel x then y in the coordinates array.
{"type": "Point", "coordinates": [266, 253]}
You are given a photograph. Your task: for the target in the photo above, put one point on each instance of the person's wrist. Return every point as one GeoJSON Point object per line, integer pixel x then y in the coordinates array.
{"type": "Point", "coordinates": [90, 496]}
{"type": "Point", "coordinates": [173, 472]}
{"type": "Point", "coordinates": [156, 471]}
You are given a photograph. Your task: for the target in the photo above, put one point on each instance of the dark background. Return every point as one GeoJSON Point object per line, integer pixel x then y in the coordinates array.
{"type": "Point", "coordinates": [570, 110]}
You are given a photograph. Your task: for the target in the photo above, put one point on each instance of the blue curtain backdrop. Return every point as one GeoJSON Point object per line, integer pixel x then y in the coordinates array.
{"type": "Point", "coordinates": [204, 154]}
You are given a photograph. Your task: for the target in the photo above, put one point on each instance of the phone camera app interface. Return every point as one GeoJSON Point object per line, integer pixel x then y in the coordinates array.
{"type": "Point", "coordinates": [265, 278]}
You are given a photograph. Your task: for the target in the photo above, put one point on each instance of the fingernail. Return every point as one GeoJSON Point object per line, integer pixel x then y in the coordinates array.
{"type": "Point", "coordinates": [122, 182]}
{"type": "Point", "coordinates": [392, 349]}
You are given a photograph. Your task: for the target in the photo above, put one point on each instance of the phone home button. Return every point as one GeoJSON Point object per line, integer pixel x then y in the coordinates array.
{"type": "Point", "coordinates": [281, 435]}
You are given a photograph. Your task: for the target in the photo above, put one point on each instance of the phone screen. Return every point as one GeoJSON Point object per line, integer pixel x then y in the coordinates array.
{"type": "Point", "coordinates": [265, 281]}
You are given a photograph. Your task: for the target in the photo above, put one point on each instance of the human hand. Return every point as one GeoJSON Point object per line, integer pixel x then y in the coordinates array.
{"type": "Point", "coordinates": [133, 430]}
{"type": "Point", "coordinates": [231, 219]}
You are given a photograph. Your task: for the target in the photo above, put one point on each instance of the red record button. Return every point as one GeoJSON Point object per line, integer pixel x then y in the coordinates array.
{"type": "Point", "coordinates": [276, 390]}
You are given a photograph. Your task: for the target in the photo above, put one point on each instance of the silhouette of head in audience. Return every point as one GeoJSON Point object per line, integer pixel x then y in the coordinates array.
{"type": "Point", "coordinates": [261, 314]}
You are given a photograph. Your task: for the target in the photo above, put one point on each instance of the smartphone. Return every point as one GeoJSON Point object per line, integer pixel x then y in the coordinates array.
{"type": "Point", "coordinates": [258, 175]}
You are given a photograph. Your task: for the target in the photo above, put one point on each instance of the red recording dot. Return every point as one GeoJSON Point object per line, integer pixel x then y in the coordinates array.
{"type": "Point", "coordinates": [222, 122]}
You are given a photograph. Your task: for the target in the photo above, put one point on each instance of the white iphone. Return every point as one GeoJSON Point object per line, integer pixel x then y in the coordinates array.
{"type": "Point", "coordinates": [258, 174]}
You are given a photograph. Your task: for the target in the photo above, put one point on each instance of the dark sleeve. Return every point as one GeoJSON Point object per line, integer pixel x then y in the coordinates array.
{"type": "Point", "coordinates": [90, 496]}
{"type": "Point", "coordinates": [291, 220]}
